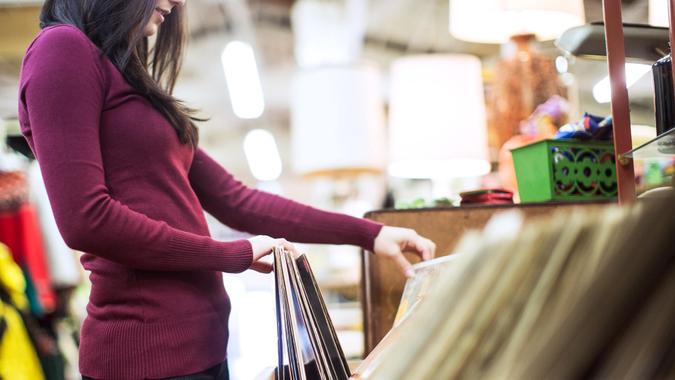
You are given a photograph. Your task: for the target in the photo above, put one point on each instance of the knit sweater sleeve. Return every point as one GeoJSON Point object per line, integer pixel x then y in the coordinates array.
{"type": "Point", "coordinates": [258, 212]}
{"type": "Point", "coordinates": [62, 94]}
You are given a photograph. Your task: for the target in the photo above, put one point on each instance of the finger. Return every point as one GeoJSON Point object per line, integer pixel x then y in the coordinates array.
{"type": "Point", "coordinates": [282, 242]}
{"type": "Point", "coordinates": [289, 247]}
{"type": "Point", "coordinates": [419, 246]}
{"type": "Point", "coordinates": [428, 249]}
{"type": "Point", "coordinates": [261, 266]}
{"type": "Point", "coordinates": [422, 248]}
{"type": "Point", "coordinates": [262, 253]}
{"type": "Point", "coordinates": [433, 249]}
{"type": "Point", "coordinates": [404, 265]}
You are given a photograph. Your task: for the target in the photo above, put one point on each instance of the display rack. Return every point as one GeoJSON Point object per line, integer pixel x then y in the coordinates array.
{"type": "Point", "coordinates": [616, 59]}
{"type": "Point", "coordinates": [662, 146]}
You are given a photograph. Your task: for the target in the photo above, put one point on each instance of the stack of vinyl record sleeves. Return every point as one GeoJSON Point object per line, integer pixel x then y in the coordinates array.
{"type": "Point", "coordinates": [588, 293]}
{"type": "Point", "coordinates": [308, 346]}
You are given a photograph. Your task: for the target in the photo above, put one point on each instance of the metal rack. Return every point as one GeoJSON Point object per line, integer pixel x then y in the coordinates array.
{"type": "Point", "coordinates": [616, 58]}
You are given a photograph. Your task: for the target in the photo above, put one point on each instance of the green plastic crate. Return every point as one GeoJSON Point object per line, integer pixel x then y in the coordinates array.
{"type": "Point", "coordinates": [566, 169]}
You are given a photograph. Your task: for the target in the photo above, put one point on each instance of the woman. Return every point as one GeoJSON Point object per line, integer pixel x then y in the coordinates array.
{"type": "Point", "coordinates": [127, 184]}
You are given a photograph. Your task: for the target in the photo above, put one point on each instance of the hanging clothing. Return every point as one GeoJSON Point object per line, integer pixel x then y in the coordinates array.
{"type": "Point", "coordinates": [12, 279]}
{"type": "Point", "coordinates": [18, 359]}
{"type": "Point", "coordinates": [19, 230]}
{"type": "Point", "coordinates": [13, 190]}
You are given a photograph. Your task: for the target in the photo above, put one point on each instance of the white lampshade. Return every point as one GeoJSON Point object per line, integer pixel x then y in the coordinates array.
{"type": "Point", "coordinates": [337, 120]}
{"type": "Point", "coordinates": [328, 32]}
{"type": "Point", "coordinates": [658, 12]}
{"type": "Point", "coordinates": [495, 21]}
{"type": "Point", "coordinates": [437, 126]}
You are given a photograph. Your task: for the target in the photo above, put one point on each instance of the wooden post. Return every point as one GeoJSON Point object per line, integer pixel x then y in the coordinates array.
{"type": "Point", "coordinates": [616, 59]}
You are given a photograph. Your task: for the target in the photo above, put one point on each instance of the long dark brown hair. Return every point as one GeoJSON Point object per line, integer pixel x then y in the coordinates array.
{"type": "Point", "coordinates": [116, 27]}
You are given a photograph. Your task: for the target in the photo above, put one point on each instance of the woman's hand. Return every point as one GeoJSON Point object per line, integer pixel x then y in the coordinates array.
{"type": "Point", "coordinates": [262, 246]}
{"type": "Point", "coordinates": [391, 242]}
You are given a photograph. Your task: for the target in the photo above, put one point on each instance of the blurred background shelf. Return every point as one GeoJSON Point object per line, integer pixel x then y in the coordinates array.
{"type": "Point", "coordinates": [662, 146]}
{"type": "Point", "coordinates": [642, 42]}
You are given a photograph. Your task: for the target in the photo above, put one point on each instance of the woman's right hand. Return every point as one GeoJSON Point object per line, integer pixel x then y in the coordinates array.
{"type": "Point", "coordinates": [262, 246]}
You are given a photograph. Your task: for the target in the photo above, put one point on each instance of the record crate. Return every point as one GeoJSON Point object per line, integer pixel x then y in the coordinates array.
{"type": "Point", "coordinates": [565, 169]}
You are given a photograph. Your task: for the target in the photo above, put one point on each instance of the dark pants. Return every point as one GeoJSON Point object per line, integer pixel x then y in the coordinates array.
{"type": "Point", "coordinates": [217, 372]}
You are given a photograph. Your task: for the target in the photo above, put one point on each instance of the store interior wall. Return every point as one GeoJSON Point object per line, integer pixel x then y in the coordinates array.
{"type": "Point", "coordinates": [394, 28]}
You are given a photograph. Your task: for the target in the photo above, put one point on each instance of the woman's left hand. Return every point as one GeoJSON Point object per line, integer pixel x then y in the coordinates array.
{"type": "Point", "coordinates": [262, 266]}
{"type": "Point", "coordinates": [391, 242]}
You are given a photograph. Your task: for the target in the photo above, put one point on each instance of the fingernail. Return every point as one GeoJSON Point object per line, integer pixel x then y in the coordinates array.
{"type": "Point", "coordinates": [410, 273]}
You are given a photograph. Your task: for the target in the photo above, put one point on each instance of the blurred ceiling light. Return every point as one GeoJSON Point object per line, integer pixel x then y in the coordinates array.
{"type": "Point", "coordinates": [243, 81]}
{"type": "Point", "coordinates": [658, 13]}
{"type": "Point", "coordinates": [561, 64]}
{"type": "Point", "coordinates": [634, 71]}
{"type": "Point", "coordinates": [262, 155]}
{"type": "Point", "coordinates": [437, 125]}
{"type": "Point", "coordinates": [495, 21]}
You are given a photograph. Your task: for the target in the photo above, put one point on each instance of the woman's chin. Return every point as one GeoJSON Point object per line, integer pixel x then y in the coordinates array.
{"type": "Point", "coordinates": [150, 29]}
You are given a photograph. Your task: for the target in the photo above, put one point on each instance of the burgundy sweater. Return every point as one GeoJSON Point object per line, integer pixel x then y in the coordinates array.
{"type": "Point", "coordinates": [125, 191]}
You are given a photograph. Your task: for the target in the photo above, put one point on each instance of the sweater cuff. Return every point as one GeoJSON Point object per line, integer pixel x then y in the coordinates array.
{"type": "Point", "coordinates": [369, 231]}
{"type": "Point", "coordinates": [238, 256]}
{"type": "Point", "coordinates": [232, 256]}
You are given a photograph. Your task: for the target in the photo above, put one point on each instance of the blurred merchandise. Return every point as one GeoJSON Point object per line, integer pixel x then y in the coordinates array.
{"type": "Point", "coordinates": [20, 231]}
{"type": "Point", "coordinates": [427, 274]}
{"type": "Point", "coordinates": [542, 124]}
{"type": "Point", "coordinates": [524, 78]}
{"type": "Point", "coordinates": [486, 197]}
{"type": "Point", "coordinates": [13, 190]}
{"type": "Point", "coordinates": [306, 337]}
{"type": "Point", "coordinates": [564, 296]}
{"type": "Point", "coordinates": [18, 358]}
{"type": "Point", "coordinates": [523, 81]}
{"type": "Point", "coordinates": [423, 203]}
{"type": "Point", "coordinates": [590, 127]}
{"type": "Point", "coordinates": [653, 173]}
{"type": "Point", "coordinates": [546, 118]}
{"type": "Point", "coordinates": [38, 284]}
